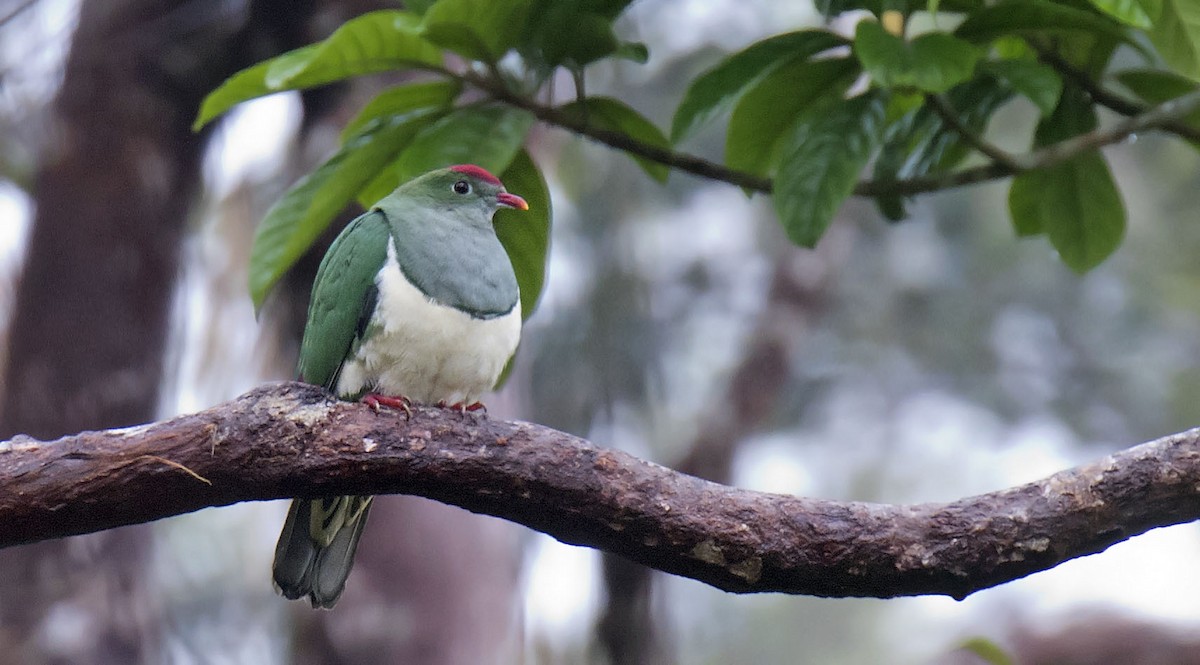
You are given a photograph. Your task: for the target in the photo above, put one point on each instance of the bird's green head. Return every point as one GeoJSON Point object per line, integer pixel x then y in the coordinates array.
{"type": "Point", "coordinates": [462, 188]}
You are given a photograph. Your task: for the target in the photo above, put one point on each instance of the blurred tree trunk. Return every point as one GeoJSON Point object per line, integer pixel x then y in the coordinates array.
{"type": "Point", "coordinates": [626, 629]}
{"type": "Point", "coordinates": [432, 585]}
{"type": "Point", "coordinates": [113, 189]}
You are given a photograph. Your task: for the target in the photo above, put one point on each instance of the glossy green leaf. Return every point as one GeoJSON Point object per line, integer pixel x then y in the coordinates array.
{"type": "Point", "coordinates": [525, 234]}
{"type": "Point", "coordinates": [1129, 12]}
{"type": "Point", "coordinates": [1176, 34]}
{"type": "Point", "coordinates": [489, 136]}
{"type": "Point", "coordinates": [1074, 115]}
{"type": "Point", "coordinates": [614, 115]}
{"type": "Point", "coordinates": [526, 237]}
{"type": "Point", "coordinates": [573, 32]}
{"type": "Point", "coordinates": [1037, 82]}
{"type": "Point", "coordinates": [476, 29]}
{"type": "Point", "coordinates": [822, 157]}
{"type": "Point", "coordinates": [1031, 17]}
{"type": "Point", "coordinates": [767, 110]}
{"type": "Point", "coordinates": [303, 213]}
{"type": "Point", "coordinates": [716, 90]}
{"type": "Point", "coordinates": [1077, 205]}
{"type": "Point", "coordinates": [933, 62]}
{"type": "Point", "coordinates": [402, 99]}
{"type": "Point", "coordinates": [374, 42]}
{"type": "Point", "coordinates": [1156, 86]}
{"type": "Point", "coordinates": [921, 143]}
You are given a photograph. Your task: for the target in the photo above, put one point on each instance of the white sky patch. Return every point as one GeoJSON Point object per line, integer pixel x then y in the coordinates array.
{"type": "Point", "coordinates": [33, 50]}
{"type": "Point", "coordinates": [727, 24]}
{"type": "Point", "coordinates": [562, 592]}
{"type": "Point", "coordinates": [770, 464]}
{"type": "Point", "coordinates": [252, 140]}
{"type": "Point", "coordinates": [15, 211]}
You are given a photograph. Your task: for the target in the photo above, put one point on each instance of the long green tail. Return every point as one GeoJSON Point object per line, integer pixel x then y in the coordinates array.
{"type": "Point", "coordinates": [316, 548]}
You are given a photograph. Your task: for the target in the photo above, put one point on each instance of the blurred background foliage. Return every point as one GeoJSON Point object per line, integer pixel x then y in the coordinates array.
{"type": "Point", "coordinates": [918, 361]}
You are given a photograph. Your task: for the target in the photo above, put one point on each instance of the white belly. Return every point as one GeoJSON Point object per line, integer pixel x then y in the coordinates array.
{"type": "Point", "coordinates": [426, 351]}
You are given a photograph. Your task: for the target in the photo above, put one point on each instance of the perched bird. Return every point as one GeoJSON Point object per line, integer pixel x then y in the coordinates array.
{"type": "Point", "coordinates": [415, 300]}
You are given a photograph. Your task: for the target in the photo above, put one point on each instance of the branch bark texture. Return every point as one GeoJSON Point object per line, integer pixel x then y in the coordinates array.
{"type": "Point", "coordinates": [292, 439]}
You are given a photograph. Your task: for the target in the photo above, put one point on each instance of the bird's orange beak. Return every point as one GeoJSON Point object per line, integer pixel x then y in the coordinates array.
{"type": "Point", "coordinates": [512, 201]}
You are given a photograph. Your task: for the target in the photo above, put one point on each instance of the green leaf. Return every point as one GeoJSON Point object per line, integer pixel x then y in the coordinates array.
{"type": "Point", "coordinates": [1037, 17]}
{"type": "Point", "coordinates": [1073, 116]}
{"type": "Point", "coordinates": [526, 234]}
{"type": "Point", "coordinates": [402, 99]}
{"type": "Point", "coordinates": [767, 110]}
{"type": "Point", "coordinates": [822, 157]}
{"type": "Point", "coordinates": [489, 136]}
{"type": "Point", "coordinates": [933, 62]}
{"type": "Point", "coordinates": [374, 42]}
{"type": "Point", "coordinates": [302, 214]}
{"type": "Point", "coordinates": [1039, 83]}
{"type": "Point", "coordinates": [574, 33]}
{"type": "Point", "coordinates": [921, 143]}
{"type": "Point", "coordinates": [1176, 34]}
{"type": "Point", "coordinates": [476, 29]}
{"type": "Point", "coordinates": [635, 52]}
{"type": "Point", "coordinates": [1076, 203]}
{"type": "Point", "coordinates": [716, 90]}
{"type": "Point", "coordinates": [1156, 86]}
{"type": "Point", "coordinates": [1129, 12]}
{"type": "Point", "coordinates": [614, 115]}
{"type": "Point", "coordinates": [989, 651]}
{"type": "Point", "coordinates": [526, 237]}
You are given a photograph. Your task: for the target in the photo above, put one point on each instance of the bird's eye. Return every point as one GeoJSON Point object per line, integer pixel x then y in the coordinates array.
{"type": "Point", "coordinates": [462, 187]}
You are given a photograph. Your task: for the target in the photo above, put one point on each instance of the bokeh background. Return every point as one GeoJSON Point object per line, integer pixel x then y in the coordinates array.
{"type": "Point", "coordinates": [921, 361]}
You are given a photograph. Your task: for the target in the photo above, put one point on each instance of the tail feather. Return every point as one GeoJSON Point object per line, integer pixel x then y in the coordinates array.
{"type": "Point", "coordinates": [315, 553]}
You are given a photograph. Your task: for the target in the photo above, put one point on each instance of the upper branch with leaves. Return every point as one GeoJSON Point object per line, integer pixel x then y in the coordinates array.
{"type": "Point", "coordinates": [808, 111]}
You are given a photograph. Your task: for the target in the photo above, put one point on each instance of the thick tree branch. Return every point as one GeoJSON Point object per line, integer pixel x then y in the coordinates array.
{"type": "Point", "coordinates": [292, 439]}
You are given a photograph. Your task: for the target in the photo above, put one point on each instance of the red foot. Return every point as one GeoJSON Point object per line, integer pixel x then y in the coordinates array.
{"type": "Point", "coordinates": [375, 401]}
{"type": "Point", "coordinates": [463, 408]}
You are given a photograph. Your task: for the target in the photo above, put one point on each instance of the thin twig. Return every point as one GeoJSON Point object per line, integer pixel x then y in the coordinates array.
{"type": "Point", "coordinates": [1157, 117]}
{"type": "Point", "coordinates": [619, 140]}
{"type": "Point", "coordinates": [949, 115]}
{"type": "Point", "coordinates": [1165, 116]}
{"type": "Point", "coordinates": [1107, 98]}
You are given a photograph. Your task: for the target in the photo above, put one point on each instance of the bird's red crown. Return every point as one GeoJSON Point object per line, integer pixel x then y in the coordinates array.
{"type": "Point", "coordinates": [476, 171]}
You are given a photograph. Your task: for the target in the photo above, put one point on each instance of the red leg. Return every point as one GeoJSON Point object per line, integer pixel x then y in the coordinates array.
{"type": "Point", "coordinates": [375, 401]}
{"type": "Point", "coordinates": [463, 408]}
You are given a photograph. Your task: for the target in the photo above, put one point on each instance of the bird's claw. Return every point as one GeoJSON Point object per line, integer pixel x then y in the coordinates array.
{"type": "Point", "coordinates": [376, 401]}
{"type": "Point", "coordinates": [463, 408]}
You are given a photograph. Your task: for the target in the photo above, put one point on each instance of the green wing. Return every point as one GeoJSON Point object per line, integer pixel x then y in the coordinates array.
{"type": "Point", "coordinates": [343, 298]}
